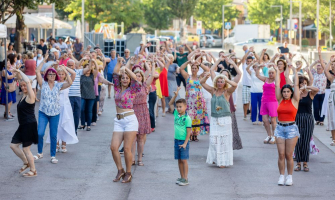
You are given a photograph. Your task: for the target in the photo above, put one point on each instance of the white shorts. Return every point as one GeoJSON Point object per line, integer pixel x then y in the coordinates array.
{"type": "Point", "coordinates": [128, 123]}
{"type": "Point", "coordinates": [34, 81]}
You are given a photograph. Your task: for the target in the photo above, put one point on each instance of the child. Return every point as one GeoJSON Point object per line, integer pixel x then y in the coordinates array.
{"type": "Point", "coordinates": [182, 127]}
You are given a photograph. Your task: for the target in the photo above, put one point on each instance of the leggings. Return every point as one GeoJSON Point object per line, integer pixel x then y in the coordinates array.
{"type": "Point", "coordinates": [256, 99]}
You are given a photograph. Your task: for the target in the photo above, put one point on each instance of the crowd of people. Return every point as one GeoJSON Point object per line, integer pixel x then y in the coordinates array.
{"type": "Point", "coordinates": [73, 84]}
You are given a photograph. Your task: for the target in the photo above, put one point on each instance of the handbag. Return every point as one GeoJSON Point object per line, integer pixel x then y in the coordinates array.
{"type": "Point", "coordinates": [11, 86]}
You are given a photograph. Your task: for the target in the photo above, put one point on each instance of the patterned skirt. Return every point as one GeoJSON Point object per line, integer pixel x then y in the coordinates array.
{"type": "Point", "coordinates": [237, 142]}
{"type": "Point", "coordinates": [220, 148]}
{"type": "Point", "coordinates": [305, 123]}
{"type": "Point", "coordinates": [143, 117]}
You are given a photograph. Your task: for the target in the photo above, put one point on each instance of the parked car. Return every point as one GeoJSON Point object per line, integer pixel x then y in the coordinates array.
{"type": "Point", "coordinates": [253, 41]}
{"type": "Point", "coordinates": [211, 41]}
{"type": "Point", "coordinates": [72, 38]}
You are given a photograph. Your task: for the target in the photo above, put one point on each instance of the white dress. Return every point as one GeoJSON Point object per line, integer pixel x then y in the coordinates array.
{"type": "Point", "coordinates": [66, 131]}
{"type": "Point", "coordinates": [331, 107]}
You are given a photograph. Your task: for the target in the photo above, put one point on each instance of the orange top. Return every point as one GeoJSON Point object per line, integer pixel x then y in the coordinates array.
{"type": "Point", "coordinates": [286, 111]}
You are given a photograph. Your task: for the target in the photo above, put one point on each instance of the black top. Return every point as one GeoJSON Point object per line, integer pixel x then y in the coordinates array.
{"type": "Point", "coordinates": [44, 48]}
{"type": "Point", "coordinates": [328, 82]}
{"type": "Point", "coordinates": [25, 112]}
{"type": "Point", "coordinates": [87, 87]}
{"type": "Point", "coordinates": [305, 104]}
{"type": "Point", "coordinates": [283, 50]}
{"type": "Point", "coordinates": [225, 65]}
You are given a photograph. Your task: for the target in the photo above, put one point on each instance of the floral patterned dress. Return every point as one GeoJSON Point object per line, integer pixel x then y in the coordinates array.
{"type": "Point", "coordinates": [196, 107]}
{"type": "Point", "coordinates": [141, 110]}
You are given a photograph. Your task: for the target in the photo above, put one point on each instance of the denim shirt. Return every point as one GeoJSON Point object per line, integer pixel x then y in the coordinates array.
{"type": "Point", "coordinates": [50, 99]}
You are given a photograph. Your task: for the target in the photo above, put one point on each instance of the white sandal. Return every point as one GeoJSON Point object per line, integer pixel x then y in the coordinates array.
{"type": "Point", "coordinates": [333, 143]}
{"type": "Point", "coordinates": [38, 156]}
{"type": "Point", "coordinates": [57, 149]}
{"type": "Point", "coordinates": [54, 160]}
{"type": "Point", "coordinates": [63, 150]}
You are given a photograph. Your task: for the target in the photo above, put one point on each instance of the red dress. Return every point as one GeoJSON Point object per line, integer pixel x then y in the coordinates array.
{"type": "Point", "coordinates": [164, 83]}
{"type": "Point", "coordinates": [141, 110]}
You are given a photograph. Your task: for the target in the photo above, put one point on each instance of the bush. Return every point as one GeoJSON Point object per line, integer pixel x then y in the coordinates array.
{"type": "Point", "coordinates": [305, 42]}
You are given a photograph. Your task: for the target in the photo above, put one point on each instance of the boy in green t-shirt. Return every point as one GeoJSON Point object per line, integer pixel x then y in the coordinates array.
{"type": "Point", "coordinates": [182, 129]}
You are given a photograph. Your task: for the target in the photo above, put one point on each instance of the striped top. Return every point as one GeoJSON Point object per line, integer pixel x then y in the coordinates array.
{"type": "Point", "coordinates": [75, 87]}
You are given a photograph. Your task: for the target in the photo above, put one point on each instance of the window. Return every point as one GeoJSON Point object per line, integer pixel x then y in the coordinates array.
{"type": "Point", "coordinates": [216, 37]}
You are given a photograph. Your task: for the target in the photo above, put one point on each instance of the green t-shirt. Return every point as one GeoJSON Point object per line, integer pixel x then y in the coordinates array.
{"type": "Point", "coordinates": [181, 59]}
{"type": "Point", "coordinates": [181, 123]}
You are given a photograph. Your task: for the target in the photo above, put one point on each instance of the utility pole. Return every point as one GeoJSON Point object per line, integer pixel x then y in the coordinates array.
{"type": "Point", "coordinates": [53, 20]}
{"type": "Point", "coordinates": [330, 25]}
{"type": "Point", "coordinates": [291, 25]}
{"type": "Point", "coordinates": [281, 21]}
{"type": "Point", "coordinates": [317, 24]}
{"type": "Point", "coordinates": [223, 22]}
{"type": "Point", "coordinates": [83, 19]}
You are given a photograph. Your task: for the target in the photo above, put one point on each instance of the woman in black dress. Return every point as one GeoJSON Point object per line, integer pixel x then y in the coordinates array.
{"type": "Point", "coordinates": [26, 134]}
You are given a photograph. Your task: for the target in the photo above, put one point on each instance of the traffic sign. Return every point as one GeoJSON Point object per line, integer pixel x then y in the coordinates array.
{"type": "Point", "coordinates": [198, 31]}
{"type": "Point", "coordinates": [199, 24]}
{"type": "Point", "coordinates": [227, 25]}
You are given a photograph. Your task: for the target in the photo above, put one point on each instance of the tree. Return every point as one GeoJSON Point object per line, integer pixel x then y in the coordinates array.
{"type": "Point", "coordinates": [117, 11]}
{"type": "Point", "coordinates": [157, 14]}
{"type": "Point", "coordinates": [210, 13]}
{"type": "Point", "coordinates": [182, 9]}
{"type": "Point", "coordinates": [6, 5]}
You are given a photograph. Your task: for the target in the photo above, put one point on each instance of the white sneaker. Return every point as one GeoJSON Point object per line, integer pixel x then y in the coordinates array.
{"type": "Point", "coordinates": [289, 180]}
{"type": "Point", "coordinates": [267, 139]}
{"type": "Point", "coordinates": [54, 160]}
{"type": "Point", "coordinates": [281, 180]}
{"type": "Point", "coordinates": [273, 140]}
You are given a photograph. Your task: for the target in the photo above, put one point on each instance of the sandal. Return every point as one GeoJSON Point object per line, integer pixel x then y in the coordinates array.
{"type": "Point", "coordinates": [306, 169]}
{"type": "Point", "coordinates": [120, 174]}
{"type": "Point", "coordinates": [24, 167]}
{"type": "Point", "coordinates": [321, 123]}
{"type": "Point", "coordinates": [127, 177]}
{"type": "Point", "coordinates": [81, 127]}
{"type": "Point", "coordinates": [317, 123]}
{"type": "Point", "coordinates": [54, 160]}
{"type": "Point", "coordinates": [63, 150]}
{"type": "Point", "coordinates": [57, 149]}
{"type": "Point", "coordinates": [140, 163]}
{"type": "Point", "coordinates": [38, 156]}
{"type": "Point", "coordinates": [297, 167]}
{"type": "Point", "coordinates": [195, 138]}
{"type": "Point", "coordinates": [30, 174]}
{"type": "Point", "coordinates": [191, 138]}
{"type": "Point", "coordinates": [333, 143]}
{"type": "Point", "coordinates": [133, 163]}
{"type": "Point", "coordinates": [88, 128]}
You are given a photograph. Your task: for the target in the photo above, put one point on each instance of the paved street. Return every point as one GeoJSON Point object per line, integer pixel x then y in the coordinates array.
{"type": "Point", "coordinates": [87, 170]}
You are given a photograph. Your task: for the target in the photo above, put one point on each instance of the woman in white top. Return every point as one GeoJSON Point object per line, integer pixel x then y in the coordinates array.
{"type": "Point", "coordinates": [256, 91]}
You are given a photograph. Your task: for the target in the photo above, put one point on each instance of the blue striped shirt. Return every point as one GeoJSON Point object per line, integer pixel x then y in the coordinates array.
{"type": "Point", "coordinates": [75, 87]}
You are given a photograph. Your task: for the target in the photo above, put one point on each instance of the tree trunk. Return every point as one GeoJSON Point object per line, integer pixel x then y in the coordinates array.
{"type": "Point", "coordinates": [183, 31]}
{"type": "Point", "coordinates": [19, 30]}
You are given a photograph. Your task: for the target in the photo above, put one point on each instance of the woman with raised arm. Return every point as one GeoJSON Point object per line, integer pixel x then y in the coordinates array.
{"type": "Point", "coordinates": [287, 131]}
{"type": "Point", "coordinates": [331, 68]}
{"type": "Point", "coordinates": [141, 111]}
{"type": "Point", "coordinates": [220, 150]}
{"type": "Point", "coordinates": [256, 91]}
{"type": "Point", "coordinates": [196, 104]}
{"type": "Point", "coordinates": [163, 83]}
{"type": "Point", "coordinates": [125, 124]}
{"type": "Point", "coordinates": [26, 133]}
{"type": "Point", "coordinates": [331, 100]}
{"type": "Point", "coordinates": [305, 120]}
{"type": "Point", "coordinates": [50, 107]}
{"type": "Point", "coordinates": [269, 103]}
{"type": "Point", "coordinates": [237, 142]}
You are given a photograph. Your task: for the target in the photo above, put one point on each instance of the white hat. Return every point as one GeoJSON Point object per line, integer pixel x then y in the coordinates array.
{"type": "Point", "coordinates": [141, 42]}
{"type": "Point", "coordinates": [53, 50]}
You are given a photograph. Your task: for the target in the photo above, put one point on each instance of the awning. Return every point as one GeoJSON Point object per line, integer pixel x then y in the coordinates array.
{"type": "Point", "coordinates": [33, 21]}
{"type": "Point", "coordinates": [311, 27]}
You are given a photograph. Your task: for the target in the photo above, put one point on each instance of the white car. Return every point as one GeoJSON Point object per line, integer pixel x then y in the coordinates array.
{"type": "Point", "coordinates": [211, 41]}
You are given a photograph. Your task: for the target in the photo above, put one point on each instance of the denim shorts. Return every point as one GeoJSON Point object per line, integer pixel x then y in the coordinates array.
{"type": "Point", "coordinates": [110, 78]}
{"type": "Point", "coordinates": [181, 153]}
{"type": "Point", "coordinates": [287, 132]}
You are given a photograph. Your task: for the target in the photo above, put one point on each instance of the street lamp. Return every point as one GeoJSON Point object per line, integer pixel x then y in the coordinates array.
{"type": "Point", "coordinates": [300, 25]}
{"type": "Point", "coordinates": [317, 24]}
{"type": "Point", "coordinates": [281, 21]}
{"type": "Point", "coordinates": [223, 21]}
{"type": "Point", "coordinates": [330, 25]}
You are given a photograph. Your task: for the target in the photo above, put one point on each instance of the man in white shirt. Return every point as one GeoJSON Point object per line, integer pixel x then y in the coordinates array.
{"type": "Point", "coordinates": [62, 45]}
{"type": "Point", "coordinates": [138, 49]}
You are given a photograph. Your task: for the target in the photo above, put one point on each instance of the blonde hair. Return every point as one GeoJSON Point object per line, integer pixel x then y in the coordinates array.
{"type": "Point", "coordinates": [30, 55]}
{"type": "Point", "coordinates": [138, 70]}
{"type": "Point", "coordinates": [221, 76]}
{"type": "Point", "coordinates": [60, 70]}
{"type": "Point", "coordinates": [271, 69]}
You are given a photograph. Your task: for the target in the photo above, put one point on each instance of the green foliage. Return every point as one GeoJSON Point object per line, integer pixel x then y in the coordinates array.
{"type": "Point", "coordinates": [115, 11]}
{"type": "Point", "coordinates": [157, 14]}
{"type": "Point", "coordinates": [210, 13]}
{"type": "Point", "coordinates": [261, 12]}
{"type": "Point", "coordinates": [182, 9]}
{"type": "Point", "coordinates": [304, 42]}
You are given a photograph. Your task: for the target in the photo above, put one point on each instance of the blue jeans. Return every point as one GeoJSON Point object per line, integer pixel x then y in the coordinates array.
{"type": "Point", "coordinates": [76, 104]}
{"type": "Point", "coordinates": [95, 109]}
{"type": "Point", "coordinates": [110, 78]}
{"type": "Point", "coordinates": [256, 99]}
{"type": "Point", "coordinates": [152, 102]}
{"type": "Point", "coordinates": [86, 111]}
{"type": "Point", "coordinates": [43, 120]}
{"type": "Point", "coordinates": [317, 105]}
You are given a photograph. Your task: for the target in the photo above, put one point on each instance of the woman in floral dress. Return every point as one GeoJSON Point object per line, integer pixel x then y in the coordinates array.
{"type": "Point", "coordinates": [196, 104]}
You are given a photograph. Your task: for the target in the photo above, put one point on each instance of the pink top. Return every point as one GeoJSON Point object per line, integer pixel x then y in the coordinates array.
{"type": "Point", "coordinates": [153, 84]}
{"type": "Point", "coordinates": [141, 96]}
{"type": "Point", "coordinates": [269, 92]}
{"type": "Point", "coordinates": [125, 99]}
{"type": "Point", "coordinates": [30, 66]}
{"type": "Point", "coordinates": [96, 83]}
{"type": "Point", "coordinates": [63, 62]}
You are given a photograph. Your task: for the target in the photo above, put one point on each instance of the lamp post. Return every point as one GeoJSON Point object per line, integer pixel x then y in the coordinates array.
{"type": "Point", "coordinates": [281, 21]}
{"type": "Point", "coordinates": [330, 25]}
{"type": "Point", "coordinates": [300, 25]}
{"type": "Point", "coordinates": [317, 24]}
{"type": "Point", "coordinates": [290, 39]}
{"type": "Point", "coordinates": [53, 20]}
{"type": "Point", "coordinates": [223, 22]}
{"type": "Point", "coordinates": [82, 19]}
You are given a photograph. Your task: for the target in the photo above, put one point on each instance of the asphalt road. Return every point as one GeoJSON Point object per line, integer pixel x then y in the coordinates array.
{"type": "Point", "coordinates": [86, 171]}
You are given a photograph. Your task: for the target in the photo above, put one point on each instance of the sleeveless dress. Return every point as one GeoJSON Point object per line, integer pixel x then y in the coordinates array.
{"type": "Point", "coordinates": [164, 83]}
{"type": "Point", "coordinates": [237, 142]}
{"type": "Point", "coordinates": [196, 107]}
{"type": "Point", "coordinates": [158, 85]}
{"type": "Point", "coordinates": [220, 148]}
{"type": "Point", "coordinates": [141, 110]}
{"type": "Point", "coordinates": [331, 107]}
{"type": "Point", "coordinates": [27, 132]}
{"type": "Point", "coordinates": [11, 95]}
{"type": "Point", "coordinates": [66, 131]}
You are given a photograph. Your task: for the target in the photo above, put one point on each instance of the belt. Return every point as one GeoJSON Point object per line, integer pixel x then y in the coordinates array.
{"type": "Point", "coordinates": [285, 124]}
{"type": "Point", "coordinates": [122, 116]}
